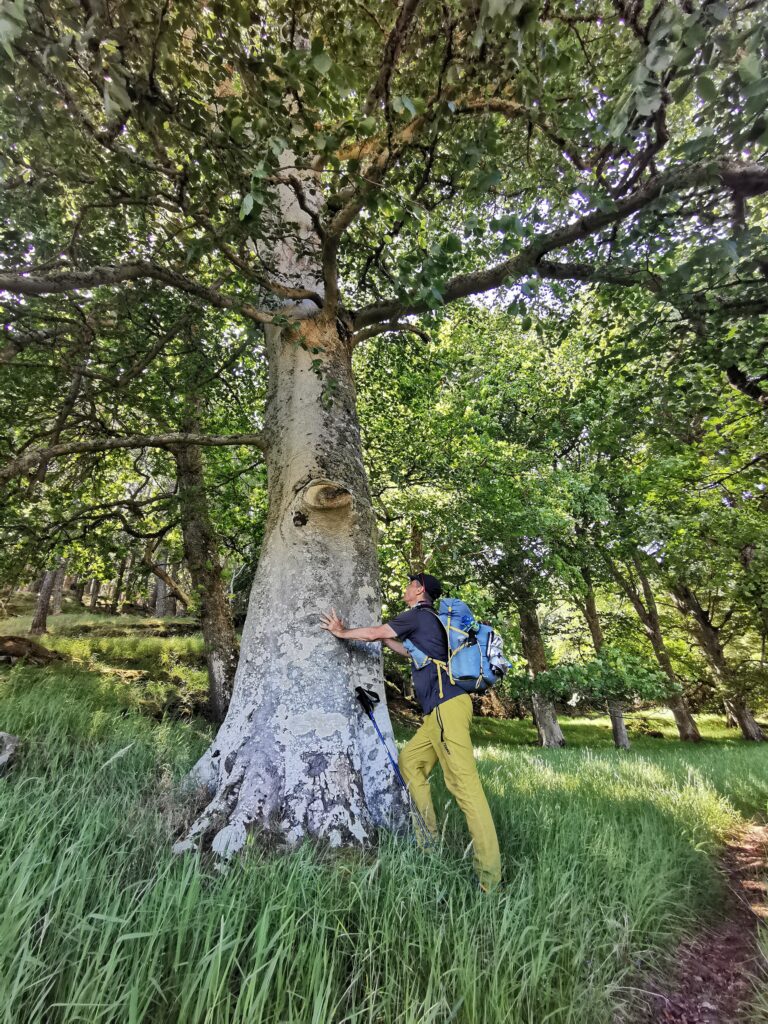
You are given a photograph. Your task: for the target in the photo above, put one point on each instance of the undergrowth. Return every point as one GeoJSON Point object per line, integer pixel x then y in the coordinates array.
{"type": "Point", "coordinates": [608, 859]}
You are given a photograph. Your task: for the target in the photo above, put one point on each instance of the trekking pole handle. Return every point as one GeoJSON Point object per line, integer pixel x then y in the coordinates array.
{"type": "Point", "coordinates": [368, 699]}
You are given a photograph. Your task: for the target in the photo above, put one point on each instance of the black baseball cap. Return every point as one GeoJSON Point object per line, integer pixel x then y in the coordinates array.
{"type": "Point", "coordinates": [431, 584]}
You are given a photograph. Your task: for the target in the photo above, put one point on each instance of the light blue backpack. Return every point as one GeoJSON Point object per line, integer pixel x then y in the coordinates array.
{"type": "Point", "coordinates": [475, 652]}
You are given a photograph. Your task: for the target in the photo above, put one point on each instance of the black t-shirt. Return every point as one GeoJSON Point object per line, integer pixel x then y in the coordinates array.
{"type": "Point", "coordinates": [422, 627]}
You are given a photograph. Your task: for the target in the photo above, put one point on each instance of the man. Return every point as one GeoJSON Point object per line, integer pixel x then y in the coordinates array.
{"type": "Point", "coordinates": [444, 733]}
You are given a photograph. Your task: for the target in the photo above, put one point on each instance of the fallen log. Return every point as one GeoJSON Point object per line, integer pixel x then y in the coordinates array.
{"type": "Point", "coordinates": [16, 648]}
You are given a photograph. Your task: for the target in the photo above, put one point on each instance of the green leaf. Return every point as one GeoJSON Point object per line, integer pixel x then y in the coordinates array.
{"type": "Point", "coordinates": [682, 90]}
{"type": "Point", "coordinates": [749, 69]}
{"type": "Point", "coordinates": [718, 11]}
{"type": "Point", "coordinates": [647, 105]}
{"type": "Point", "coordinates": [322, 62]}
{"type": "Point", "coordinates": [246, 206]}
{"type": "Point", "coordinates": [488, 180]}
{"type": "Point", "coordinates": [706, 89]}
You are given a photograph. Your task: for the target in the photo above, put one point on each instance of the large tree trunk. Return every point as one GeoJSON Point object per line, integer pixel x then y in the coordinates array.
{"type": "Point", "coordinates": [295, 754]}
{"type": "Point", "coordinates": [710, 641]}
{"type": "Point", "coordinates": [544, 714]}
{"type": "Point", "coordinates": [40, 619]}
{"type": "Point", "coordinates": [95, 592]}
{"type": "Point", "coordinates": [202, 557]}
{"type": "Point", "coordinates": [589, 609]}
{"type": "Point", "coordinates": [79, 591]}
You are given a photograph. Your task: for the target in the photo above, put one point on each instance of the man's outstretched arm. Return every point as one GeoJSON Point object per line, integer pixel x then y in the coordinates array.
{"type": "Point", "coordinates": [334, 625]}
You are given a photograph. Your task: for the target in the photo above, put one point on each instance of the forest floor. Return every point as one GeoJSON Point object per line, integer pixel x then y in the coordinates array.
{"type": "Point", "coordinates": [628, 873]}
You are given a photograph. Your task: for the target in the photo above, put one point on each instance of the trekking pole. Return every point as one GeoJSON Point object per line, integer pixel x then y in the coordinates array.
{"type": "Point", "coordinates": [368, 700]}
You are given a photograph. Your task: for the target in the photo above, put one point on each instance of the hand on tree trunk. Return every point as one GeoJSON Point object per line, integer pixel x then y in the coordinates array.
{"type": "Point", "coordinates": [332, 622]}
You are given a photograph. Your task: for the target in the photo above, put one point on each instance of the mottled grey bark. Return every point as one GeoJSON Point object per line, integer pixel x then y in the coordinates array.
{"type": "Point", "coordinates": [709, 639]}
{"type": "Point", "coordinates": [544, 714]}
{"type": "Point", "coordinates": [79, 591]}
{"type": "Point", "coordinates": [40, 618]}
{"type": "Point", "coordinates": [94, 596]}
{"type": "Point", "coordinates": [295, 754]}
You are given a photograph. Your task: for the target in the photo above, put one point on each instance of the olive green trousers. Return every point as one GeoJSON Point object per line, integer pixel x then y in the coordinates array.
{"type": "Point", "coordinates": [444, 737]}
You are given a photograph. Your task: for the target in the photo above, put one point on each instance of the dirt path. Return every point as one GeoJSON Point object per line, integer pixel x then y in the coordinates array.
{"type": "Point", "coordinates": [714, 972]}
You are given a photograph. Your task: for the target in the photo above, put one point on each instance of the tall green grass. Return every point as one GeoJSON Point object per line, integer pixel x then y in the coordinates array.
{"type": "Point", "coordinates": [759, 1008]}
{"type": "Point", "coordinates": [608, 859]}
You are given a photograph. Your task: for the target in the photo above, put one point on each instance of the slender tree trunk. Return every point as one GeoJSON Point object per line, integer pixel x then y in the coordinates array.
{"type": "Point", "coordinates": [544, 714]}
{"type": "Point", "coordinates": [202, 557]}
{"type": "Point", "coordinates": [171, 600]}
{"type": "Point", "coordinates": [709, 640]}
{"type": "Point", "coordinates": [649, 616]}
{"type": "Point", "coordinates": [161, 599]}
{"type": "Point", "coordinates": [750, 730]}
{"type": "Point", "coordinates": [79, 591]}
{"type": "Point", "coordinates": [295, 753]}
{"type": "Point", "coordinates": [121, 571]}
{"type": "Point", "coordinates": [57, 594]}
{"type": "Point", "coordinates": [163, 576]}
{"type": "Point", "coordinates": [589, 610]}
{"type": "Point", "coordinates": [95, 592]}
{"type": "Point", "coordinates": [40, 619]}
{"type": "Point", "coordinates": [731, 722]}
{"type": "Point", "coordinates": [618, 725]}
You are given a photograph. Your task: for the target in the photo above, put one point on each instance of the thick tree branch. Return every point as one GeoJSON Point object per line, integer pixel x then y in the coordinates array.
{"type": "Point", "coordinates": [749, 179]}
{"type": "Point", "coordinates": [29, 459]}
{"type": "Point", "coordinates": [391, 327]}
{"type": "Point", "coordinates": [748, 386]}
{"type": "Point", "coordinates": [61, 282]}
